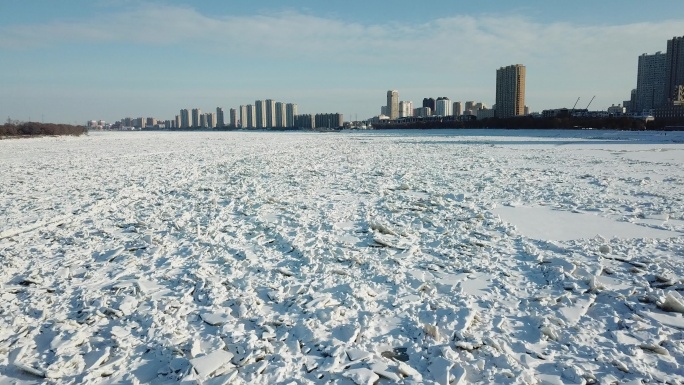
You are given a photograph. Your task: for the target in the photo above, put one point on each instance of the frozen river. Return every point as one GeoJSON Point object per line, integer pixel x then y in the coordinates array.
{"type": "Point", "coordinates": [473, 256]}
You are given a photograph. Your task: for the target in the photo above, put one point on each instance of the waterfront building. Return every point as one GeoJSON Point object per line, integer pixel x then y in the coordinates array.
{"type": "Point", "coordinates": [335, 120]}
{"type": "Point", "coordinates": [430, 103]}
{"type": "Point", "coordinates": [422, 112]}
{"type": "Point", "coordinates": [279, 115]}
{"type": "Point", "coordinates": [443, 106]}
{"type": "Point", "coordinates": [220, 119]}
{"type": "Point", "coordinates": [456, 109]}
{"type": "Point", "coordinates": [616, 110]}
{"type": "Point", "coordinates": [260, 114]}
{"type": "Point", "coordinates": [139, 122]}
{"type": "Point", "coordinates": [304, 121]}
{"type": "Point", "coordinates": [393, 104]}
{"type": "Point", "coordinates": [210, 120]}
{"type": "Point", "coordinates": [510, 91]}
{"type": "Point", "coordinates": [270, 120]}
{"type": "Point", "coordinates": [290, 113]}
{"type": "Point", "coordinates": [251, 116]}
{"type": "Point", "coordinates": [405, 109]}
{"type": "Point", "coordinates": [233, 117]}
{"type": "Point", "coordinates": [196, 113]}
{"type": "Point", "coordinates": [674, 68]}
{"type": "Point", "coordinates": [650, 82]}
{"type": "Point", "coordinates": [484, 113]}
{"type": "Point", "coordinates": [184, 118]}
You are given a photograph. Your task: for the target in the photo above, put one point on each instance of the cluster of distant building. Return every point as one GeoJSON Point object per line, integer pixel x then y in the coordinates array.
{"type": "Point", "coordinates": [263, 114]}
{"type": "Point", "coordinates": [659, 94]}
{"type": "Point", "coordinates": [660, 83]}
{"type": "Point", "coordinates": [510, 102]}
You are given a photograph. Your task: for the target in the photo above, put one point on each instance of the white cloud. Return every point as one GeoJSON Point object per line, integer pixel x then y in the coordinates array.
{"type": "Point", "coordinates": [460, 51]}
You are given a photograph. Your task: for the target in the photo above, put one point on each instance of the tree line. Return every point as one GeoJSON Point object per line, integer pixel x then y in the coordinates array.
{"type": "Point", "coordinates": [39, 129]}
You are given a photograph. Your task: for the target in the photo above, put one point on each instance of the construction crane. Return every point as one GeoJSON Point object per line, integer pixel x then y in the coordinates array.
{"type": "Point", "coordinates": [592, 99]}
{"type": "Point", "coordinates": [573, 107]}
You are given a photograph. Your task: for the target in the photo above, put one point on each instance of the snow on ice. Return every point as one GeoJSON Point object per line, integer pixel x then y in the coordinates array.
{"type": "Point", "coordinates": [437, 257]}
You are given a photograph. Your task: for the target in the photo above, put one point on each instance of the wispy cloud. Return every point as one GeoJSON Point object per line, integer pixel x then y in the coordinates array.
{"type": "Point", "coordinates": [465, 49]}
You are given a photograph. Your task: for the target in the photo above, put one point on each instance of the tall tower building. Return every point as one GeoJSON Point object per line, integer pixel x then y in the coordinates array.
{"type": "Point", "coordinates": [443, 106]}
{"type": "Point", "coordinates": [280, 115]}
{"type": "Point", "coordinates": [184, 118]}
{"type": "Point", "coordinates": [270, 113]}
{"type": "Point", "coordinates": [290, 114]}
{"type": "Point", "coordinates": [251, 116]}
{"type": "Point", "coordinates": [674, 67]}
{"type": "Point", "coordinates": [510, 91]}
{"type": "Point", "coordinates": [243, 116]}
{"type": "Point", "coordinates": [196, 116]}
{"type": "Point", "coordinates": [457, 110]}
{"type": "Point", "coordinates": [260, 114]}
{"type": "Point", "coordinates": [429, 103]}
{"type": "Point", "coordinates": [233, 117]}
{"type": "Point", "coordinates": [393, 104]}
{"type": "Point", "coordinates": [650, 82]}
{"type": "Point", "coordinates": [220, 119]}
{"type": "Point", "coordinates": [405, 109]}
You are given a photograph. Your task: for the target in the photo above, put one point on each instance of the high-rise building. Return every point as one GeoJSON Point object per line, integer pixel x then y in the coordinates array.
{"type": "Point", "coordinates": [510, 91]}
{"type": "Point", "coordinates": [243, 116]}
{"type": "Point", "coordinates": [329, 120]}
{"type": "Point", "coordinates": [196, 113]}
{"type": "Point", "coordinates": [184, 118]}
{"type": "Point", "coordinates": [251, 116]}
{"type": "Point", "coordinates": [233, 117]}
{"type": "Point", "coordinates": [290, 114]}
{"type": "Point", "coordinates": [650, 82]}
{"type": "Point", "coordinates": [674, 68]}
{"type": "Point", "coordinates": [457, 110]}
{"type": "Point", "coordinates": [280, 115]}
{"type": "Point", "coordinates": [270, 113]}
{"type": "Point", "coordinates": [304, 121]}
{"type": "Point", "coordinates": [260, 111]}
{"type": "Point", "coordinates": [210, 120]}
{"type": "Point", "coordinates": [176, 122]}
{"type": "Point", "coordinates": [405, 109]}
{"type": "Point", "coordinates": [443, 106]}
{"type": "Point", "coordinates": [430, 103]}
{"type": "Point", "coordinates": [393, 104]}
{"type": "Point", "coordinates": [422, 112]}
{"type": "Point", "coordinates": [220, 119]}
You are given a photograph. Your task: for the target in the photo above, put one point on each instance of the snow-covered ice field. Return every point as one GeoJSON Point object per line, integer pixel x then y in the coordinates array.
{"type": "Point", "coordinates": [412, 257]}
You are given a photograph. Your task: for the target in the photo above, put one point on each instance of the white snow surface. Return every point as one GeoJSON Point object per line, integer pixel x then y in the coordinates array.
{"type": "Point", "coordinates": [474, 256]}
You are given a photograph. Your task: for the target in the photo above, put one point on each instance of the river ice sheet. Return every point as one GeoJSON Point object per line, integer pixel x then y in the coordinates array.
{"type": "Point", "coordinates": [354, 258]}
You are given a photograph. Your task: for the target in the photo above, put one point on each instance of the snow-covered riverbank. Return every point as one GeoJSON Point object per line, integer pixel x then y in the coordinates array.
{"type": "Point", "coordinates": [410, 257]}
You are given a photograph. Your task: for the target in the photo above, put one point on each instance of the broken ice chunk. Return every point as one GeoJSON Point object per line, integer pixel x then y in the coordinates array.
{"type": "Point", "coordinates": [673, 302]}
{"type": "Point", "coordinates": [30, 369]}
{"type": "Point", "coordinates": [205, 366]}
{"type": "Point", "coordinates": [362, 376]}
{"type": "Point", "coordinates": [381, 369]}
{"type": "Point", "coordinates": [357, 354]}
{"type": "Point", "coordinates": [440, 368]}
{"type": "Point", "coordinates": [215, 319]}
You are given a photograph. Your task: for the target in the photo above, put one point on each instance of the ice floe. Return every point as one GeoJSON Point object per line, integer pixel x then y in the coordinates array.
{"type": "Point", "coordinates": [437, 257]}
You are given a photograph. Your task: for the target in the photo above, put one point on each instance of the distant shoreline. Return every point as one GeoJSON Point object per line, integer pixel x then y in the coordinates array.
{"type": "Point", "coordinates": [526, 123]}
{"type": "Point", "coordinates": [35, 129]}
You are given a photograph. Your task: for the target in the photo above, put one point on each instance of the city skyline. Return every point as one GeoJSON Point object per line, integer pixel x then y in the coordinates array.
{"type": "Point", "coordinates": [108, 59]}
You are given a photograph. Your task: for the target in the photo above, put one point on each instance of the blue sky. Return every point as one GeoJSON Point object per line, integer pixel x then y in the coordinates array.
{"type": "Point", "coordinates": [70, 61]}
